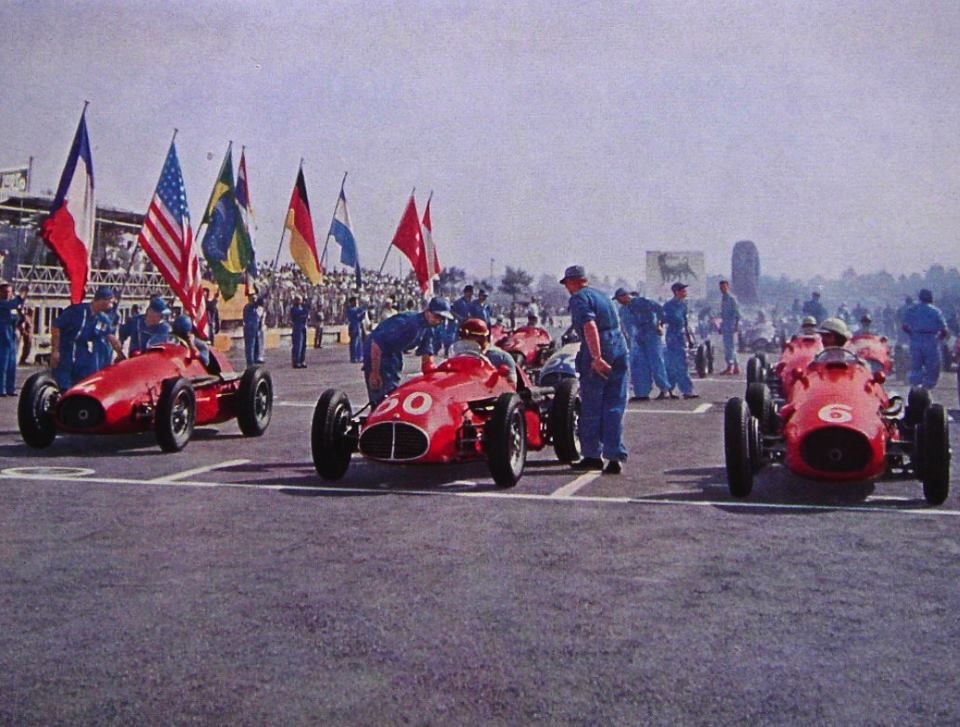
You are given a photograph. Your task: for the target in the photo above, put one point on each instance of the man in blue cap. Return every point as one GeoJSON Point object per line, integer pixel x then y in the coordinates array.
{"type": "Point", "coordinates": [356, 320]}
{"type": "Point", "coordinates": [678, 338]}
{"type": "Point", "coordinates": [602, 366]}
{"type": "Point", "coordinates": [925, 325]}
{"type": "Point", "coordinates": [11, 308]}
{"type": "Point", "coordinates": [646, 360]}
{"type": "Point", "coordinates": [814, 307]}
{"type": "Point", "coordinates": [383, 350]}
{"type": "Point", "coordinates": [74, 338]}
{"type": "Point", "coordinates": [480, 308]}
{"type": "Point", "coordinates": [141, 328]}
{"type": "Point", "coordinates": [252, 315]}
{"type": "Point", "coordinates": [299, 313]}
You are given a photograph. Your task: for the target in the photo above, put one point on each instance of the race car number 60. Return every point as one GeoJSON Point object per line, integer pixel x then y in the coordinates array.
{"type": "Point", "coordinates": [836, 413]}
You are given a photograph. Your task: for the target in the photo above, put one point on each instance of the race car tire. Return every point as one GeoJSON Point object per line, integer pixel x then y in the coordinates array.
{"type": "Point", "coordinates": [506, 439]}
{"type": "Point", "coordinates": [176, 414]}
{"type": "Point", "coordinates": [918, 401]}
{"type": "Point", "coordinates": [935, 457]}
{"type": "Point", "coordinates": [702, 361]}
{"type": "Point", "coordinates": [736, 446]}
{"type": "Point", "coordinates": [756, 444]}
{"type": "Point", "coordinates": [710, 357]}
{"type": "Point", "coordinates": [329, 445]}
{"type": "Point", "coordinates": [35, 410]}
{"type": "Point", "coordinates": [760, 404]}
{"type": "Point", "coordinates": [565, 420]}
{"type": "Point", "coordinates": [755, 370]}
{"type": "Point", "coordinates": [255, 401]}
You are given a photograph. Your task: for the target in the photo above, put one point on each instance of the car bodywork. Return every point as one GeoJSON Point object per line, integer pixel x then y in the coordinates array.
{"type": "Point", "coordinates": [166, 389]}
{"type": "Point", "coordinates": [530, 346]}
{"type": "Point", "coordinates": [465, 409]}
{"type": "Point", "coordinates": [827, 416]}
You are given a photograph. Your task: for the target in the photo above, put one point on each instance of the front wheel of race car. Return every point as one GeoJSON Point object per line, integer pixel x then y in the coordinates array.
{"type": "Point", "coordinates": [329, 441]}
{"type": "Point", "coordinates": [755, 372]}
{"type": "Point", "coordinates": [935, 457]}
{"type": "Point", "coordinates": [255, 401]}
{"type": "Point", "coordinates": [737, 447]}
{"type": "Point", "coordinates": [176, 415]}
{"type": "Point", "coordinates": [506, 440]}
{"type": "Point", "coordinates": [760, 404]}
{"type": "Point", "coordinates": [35, 410]}
{"type": "Point", "coordinates": [565, 420]}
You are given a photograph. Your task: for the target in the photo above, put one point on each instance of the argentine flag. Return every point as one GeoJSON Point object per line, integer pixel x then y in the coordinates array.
{"type": "Point", "coordinates": [341, 234]}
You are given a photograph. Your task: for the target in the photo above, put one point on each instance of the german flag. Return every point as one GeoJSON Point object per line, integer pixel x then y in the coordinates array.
{"type": "Point", "coordinates": [303, 245]}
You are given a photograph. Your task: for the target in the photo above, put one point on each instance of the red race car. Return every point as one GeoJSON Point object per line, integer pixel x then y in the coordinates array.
{"type": "Point", "coordinates": [166, 389]}
{"type": "Point", "coordinates": [530, 346]}
{"type": "Point", "coordinates": [837, 423]}
{"type": "Point", "coordinates": [463, 410]}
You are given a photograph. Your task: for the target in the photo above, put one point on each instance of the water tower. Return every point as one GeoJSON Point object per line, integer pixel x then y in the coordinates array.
{"type": "Point", "coordinates": [745, 272]}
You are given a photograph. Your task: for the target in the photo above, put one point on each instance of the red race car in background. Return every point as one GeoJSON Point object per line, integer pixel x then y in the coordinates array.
{"type": "Point", "coordinates": [836, 423]}
{"type": "Point", "coordinates": [530, 346]}
{"type": "Point", "coordinates": [463, 410]}
{"type": "Point", "coordinates": [166, 389]}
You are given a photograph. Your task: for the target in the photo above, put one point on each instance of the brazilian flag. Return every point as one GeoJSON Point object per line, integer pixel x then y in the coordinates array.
{"type": "Point", "coordinates": [226, 243]}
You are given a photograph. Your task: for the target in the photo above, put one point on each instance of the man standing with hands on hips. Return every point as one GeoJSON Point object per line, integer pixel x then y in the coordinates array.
{"type": "Point", "coordinates": [602, 366]}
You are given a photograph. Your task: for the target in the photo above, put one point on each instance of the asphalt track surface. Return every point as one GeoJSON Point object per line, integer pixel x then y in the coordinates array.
{"type": "Point", "coordinates": [226, 584]}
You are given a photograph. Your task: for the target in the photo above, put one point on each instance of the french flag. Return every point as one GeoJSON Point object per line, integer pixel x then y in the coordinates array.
{"type": "Point", "coordinates": [69, 228]}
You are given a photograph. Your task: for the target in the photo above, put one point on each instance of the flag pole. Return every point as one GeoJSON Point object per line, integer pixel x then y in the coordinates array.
{"type": "Point", "coordinates": [412, 192]}
{"type": "Point", "coordinates": [283, 232]}
{"type": "Point", "coordinates": [323, 256]}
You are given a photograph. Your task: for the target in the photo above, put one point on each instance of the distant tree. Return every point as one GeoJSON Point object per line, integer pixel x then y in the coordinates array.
{"type": "Point", "coordinates": [551, 294]}
{"type": "Point", "coordinates": [515, 282]}
{"type": "Point", "coordinates": [450, 280]}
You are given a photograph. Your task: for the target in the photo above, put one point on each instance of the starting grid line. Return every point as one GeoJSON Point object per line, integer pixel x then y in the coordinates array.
{"type": "Point", "coordinates": [557, 497]}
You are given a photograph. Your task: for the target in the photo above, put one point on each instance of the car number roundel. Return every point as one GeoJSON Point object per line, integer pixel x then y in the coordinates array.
{"type": "Point", "coordinates": [417, 403]}
{"type": "Point", "coordinates": [836, 413]}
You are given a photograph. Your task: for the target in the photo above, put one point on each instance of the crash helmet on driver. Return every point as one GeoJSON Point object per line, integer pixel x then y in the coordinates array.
{"type": "Point", "coordinates": [182, 326]}
{"type": "Point", "coordinates": [475, 328]}
{"type": "Point", "coordinates": [808, 322]}
{"type": "Point", "coordinates": [837, 327]}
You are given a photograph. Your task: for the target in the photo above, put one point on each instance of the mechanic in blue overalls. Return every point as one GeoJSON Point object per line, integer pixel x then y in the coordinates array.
{"type": "Point", "coordinates": [96, 342]}
{"type": "Point", "coordinates": [729, 322]}
{"type": "Point", "coordinates": [462, 308]}
{"type": "Point", "coordinates": [72, 335]}
{"type": "Point", "coordinates": [252, 321]}
{"type": "Point", "coordinates": [481, 308]}
{"type": "Point", "coordinates": [152, 323]}
{"type": "Point", "coordinates": [384, 347]}
{"type": "Point", "coordinates": [10, 307]}
{"type": "Point", "coordinates": [678, 338]}
{"type": "Point", "coordinates": [814, 307]}
{"type": "Point", "coordinates": [925, 325]}
{"type": "Point", "coordinates": [299, 314]}
{"type": "Point", "coordinates": [128, 328]}
{"type": "Point", "coordinates": [356, 318]}
{"type": "Point", "coordinates": [651, 369]}
{"type": "Point", "coordinates": [602, 367]}
{"type": "Point", "coordinates": [628, 322]}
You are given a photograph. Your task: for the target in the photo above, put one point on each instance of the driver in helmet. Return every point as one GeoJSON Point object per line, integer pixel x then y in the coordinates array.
{"type": "Point", "coordinates": [181, 331]}
{"type": "Point", "coordinates": [834, 333]}
{"type": "Point", "coordinates": [808, 326]}
{"type": "Point", "coordinates": [474, 336]}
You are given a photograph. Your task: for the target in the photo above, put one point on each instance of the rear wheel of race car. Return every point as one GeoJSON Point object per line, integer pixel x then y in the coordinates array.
{"type": "Point", "coordinates": [755, 437]}
{"type": "Point", "coordinates": [918, 401]}
{"type": "Point", "coordinates": [935, 456]}
{"type": "Point", "coordinates": [176, 415]}
{"type": "Point", "coordinates": [255, 401]}
{"type": "Point", "coordinates": [755, 368]}
{"type": "Point", "coordinates": [35, 410]}
{"type": "Point", "coordinates": [760, 403]}
{"type": "Point", "coordinates": [506, 441]}
{"type": "Point", "coordinates": [329, 442]}
{"type": "Point", "coordinates": [736, 446]}
{"type": "Point", "coordinates": [565, 420]}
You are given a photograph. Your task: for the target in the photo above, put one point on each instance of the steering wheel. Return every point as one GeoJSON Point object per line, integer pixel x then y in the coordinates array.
{"type": "Point", "coordinates": [836, 354]}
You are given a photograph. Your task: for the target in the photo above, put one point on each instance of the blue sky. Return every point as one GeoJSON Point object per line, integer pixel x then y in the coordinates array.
{"type": "Point", "coordinates": [550, 132]}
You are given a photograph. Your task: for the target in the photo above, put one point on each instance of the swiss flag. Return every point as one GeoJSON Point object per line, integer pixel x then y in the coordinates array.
{"type": "Point", "coordinates": [409, 240]}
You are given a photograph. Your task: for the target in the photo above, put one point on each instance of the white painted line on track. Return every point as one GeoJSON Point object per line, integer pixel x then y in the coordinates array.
{"type": "Point", "coordinates": [301, 404]}
{"type": "Point", "coordinates": [176, 477]}
{"type": "Point", "coordinates": [499, 495]}
{"type": "Point", "coordinates": [572, 487]}
{"type": "Point", "coordinates": [701, 409]}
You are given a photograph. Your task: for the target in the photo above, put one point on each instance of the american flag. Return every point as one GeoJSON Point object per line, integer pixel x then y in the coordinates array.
{"type": "Point", "coordinates": [167, 239]}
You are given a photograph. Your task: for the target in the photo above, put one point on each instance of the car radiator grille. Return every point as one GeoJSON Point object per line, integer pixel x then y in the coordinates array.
{"type": "Point", "coordinates": [81, 412]}
{"type": "Point", "coordinates": [394, 441]}
{"type": "Point", "coordinates": [836, 449]}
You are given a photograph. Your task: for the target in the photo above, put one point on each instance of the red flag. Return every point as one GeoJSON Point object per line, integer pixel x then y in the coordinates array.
{"type": "Point", "coordinates": [69, 229]}
{"type": "Point", "coordinates": [409, 240]}
{"type": "Point", "coordinates": [433, 262]}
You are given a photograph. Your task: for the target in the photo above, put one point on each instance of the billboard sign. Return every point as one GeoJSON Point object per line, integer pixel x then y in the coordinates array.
{"type": "Point", "coordinates": [664, 268]}
{"type": "Point", "coordinates": [14, 181]}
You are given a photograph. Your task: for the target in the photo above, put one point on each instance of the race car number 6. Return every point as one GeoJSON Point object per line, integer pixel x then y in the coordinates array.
{"type": "Point", "coordinates": [836, 413]}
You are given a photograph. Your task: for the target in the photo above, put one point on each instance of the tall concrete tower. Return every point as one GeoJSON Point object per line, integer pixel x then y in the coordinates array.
{"type": "Point", "coordinates": [745, 272]}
